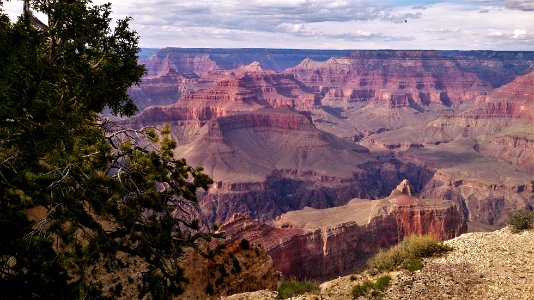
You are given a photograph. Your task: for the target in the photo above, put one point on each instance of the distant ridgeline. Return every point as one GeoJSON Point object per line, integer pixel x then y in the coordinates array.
{"type": "Point", "coordinates": [279, 130]}
{"type": "Point", "coordinates": [281, 59]}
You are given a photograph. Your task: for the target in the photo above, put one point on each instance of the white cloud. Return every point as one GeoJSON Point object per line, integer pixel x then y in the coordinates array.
{"type": "Point", "coordinates": [516, 34]}
{"type": "Point", "coordinates": [442, 30]}
{"type": "Point", "coordinates": [336, 24]}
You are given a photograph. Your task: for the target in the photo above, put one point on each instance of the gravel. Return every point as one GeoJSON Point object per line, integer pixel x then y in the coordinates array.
{"type": "Point", "coordinates": [488, 265]}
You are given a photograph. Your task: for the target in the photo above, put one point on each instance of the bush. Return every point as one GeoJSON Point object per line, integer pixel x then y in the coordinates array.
{"type": "Point", "coordinates": [294, 287]}
{"type": "Point", "coordinates": [362, 289]}
{"type": "Point", "coordinates": [413, 264]}
{"type": "Point", "coordinates": [411, 248]}
{"type": "Point", "coordinates": [210, 290]}
{"type": "Point", "coordinates": [381, 284]}
{"type": "Point", "coordinates": [245, 244]}
{"type": "Point", "coordinates": [520, 220]}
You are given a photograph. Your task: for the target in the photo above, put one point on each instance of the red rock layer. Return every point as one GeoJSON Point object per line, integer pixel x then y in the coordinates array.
{"type": "Point", "coordinates": [161, 90]}
{"type": "Point", "coordinates": [228, 97]}
{"type": "Point", "coordinates": [161, 63]}
{"type": "Point", "coordinates": [331, 249]}
{"type": "Point", "coordinates": [421, 76]}
{"type": "Point", "coordinates": [515, 100]}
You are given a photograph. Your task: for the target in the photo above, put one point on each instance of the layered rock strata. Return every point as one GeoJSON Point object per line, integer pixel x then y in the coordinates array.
{"type": "Point", "coordinates": [322, 243]}
{"type": "Point", "coordinates": [394, 77]}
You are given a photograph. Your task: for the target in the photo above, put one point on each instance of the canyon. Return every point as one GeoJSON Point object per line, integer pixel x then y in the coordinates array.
{"type": "Point", "coordinates": [323, 243]}
{"type": "Point", "coordinates": [295, 135]}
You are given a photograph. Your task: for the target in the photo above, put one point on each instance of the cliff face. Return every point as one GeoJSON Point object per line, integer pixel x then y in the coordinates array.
{"type": "Point", "coordinates": [162, 90]}
{"type": "Point", "coordinates": [394, 77]}
{"type": "Point", "coordinates": [482, 200]}
{"type": "Point", "coordinates": [485, 189]}
{"type": "Point", "coordinates": [186, 63]}
{"type": "Point", "coordinates": [500, 122]}
{"type": "Point", "coordinates": [498, 68]}
{"type": "Point", "coordinates": [279, 141]}
{"type": "Point", "coordinates": [323, 243]}
{"type": "Point", "coordinates": [326, 243]}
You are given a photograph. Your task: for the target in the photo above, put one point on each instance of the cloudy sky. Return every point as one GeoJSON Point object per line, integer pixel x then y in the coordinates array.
{"type": "Point", "coordinates": [329, 24]}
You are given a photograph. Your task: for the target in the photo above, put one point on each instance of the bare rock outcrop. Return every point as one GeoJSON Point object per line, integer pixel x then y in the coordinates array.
{"type": "Point", "coordinates": [404, 188]}
{"type": "Point", "coordinates": [233, 269]}
{"type": "Point", "coordinates": [397, 78]}
{"type": "Point", "coordinates": [322, 243]}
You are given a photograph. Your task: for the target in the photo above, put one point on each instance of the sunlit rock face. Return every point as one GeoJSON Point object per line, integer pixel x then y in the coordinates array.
{"type": "Point", "coordinates": [324, 243]}
{"type": "Point", "coordinates": [283, 130]}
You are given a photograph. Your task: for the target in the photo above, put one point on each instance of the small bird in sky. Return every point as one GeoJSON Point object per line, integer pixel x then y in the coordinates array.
{"type": "Point", "coordinates": [405, 21]}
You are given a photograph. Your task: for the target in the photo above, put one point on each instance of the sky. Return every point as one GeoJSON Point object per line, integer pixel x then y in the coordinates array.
{"type": "Point", "coordinates": [328, 24]}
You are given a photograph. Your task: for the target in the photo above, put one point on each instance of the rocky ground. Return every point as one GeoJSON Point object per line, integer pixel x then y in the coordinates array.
{"type": "Point", "coordinates": [489, 265]}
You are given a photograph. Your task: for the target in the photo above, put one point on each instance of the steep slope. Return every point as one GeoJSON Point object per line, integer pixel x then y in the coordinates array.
{"type": "Point", "coordinates": [322, 243]}
{"type": "Point", "coordinates": [227, 97]}
{"type": "Point", "coordinates": [493, 265]}
{"type": "Point", "coordinates": [424, 77]}
{"type": "Point", "coordinates": [273, 160]}
{"type": "Point", "coordinates": [425, 115]}
{"type": "Point", "coordinates": [162, 89]}
{"type": "Point", "coordinates": [482, 158]}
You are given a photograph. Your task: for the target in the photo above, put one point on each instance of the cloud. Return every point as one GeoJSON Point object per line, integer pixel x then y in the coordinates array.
{"type": "Point", "coordinates": [422, 7]}
{"type": "Point", "coordinates": [441, 30]}
{"type": "Point", "coordinates": [332, 24]}
{"type": "Point", "coordinates": [356, 35]}
{"type": "Point", "coordinates": [524, 5]}
{"type": "Point", "coordinates": [516, 34]}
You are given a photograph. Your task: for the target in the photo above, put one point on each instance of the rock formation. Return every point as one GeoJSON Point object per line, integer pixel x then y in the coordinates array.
{"type": "Point", "coordinates": [322, 243]}
{"type": "Point", "coordinates": [234, 268]}
{"type": "Point", "coordinates": [276, 141]}
{"type": "Point", "coordinates": [394, 77]}
{"type": "Point", "coordinates": [485, 265]}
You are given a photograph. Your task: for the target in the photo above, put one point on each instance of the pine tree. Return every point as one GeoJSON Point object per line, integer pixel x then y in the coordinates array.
{"type": "Point", "coordinates": [81, 199]}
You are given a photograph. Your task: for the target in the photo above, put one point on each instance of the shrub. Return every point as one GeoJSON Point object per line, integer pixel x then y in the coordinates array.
{"type": "Point", "coordinates": [236, 267]}
{"type": "Point", "coordinates": [245, 244]}
{"type": "Point", "coordinates": [411, 248]}
{"type": "Point", "coordinates": [294, 287]}
{"type": "Point", "coordinates": [413, 264]}
{"type": "Point", "coordinates": [520, 220]}
{"type": "Point", "coordinates": [210, 290]}
{"type": "Point", "coordinates": [352, 277]}
{"type": "Point", "coordinates": [361, 289]}
{"type": "Point", "coordinates": [381, 284]}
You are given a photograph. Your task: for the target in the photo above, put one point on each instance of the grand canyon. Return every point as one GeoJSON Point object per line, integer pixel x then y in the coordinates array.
{"type": "Point", "coordinates": [306, 146]}
{"type": "Point", "coordinates": [231, 150]}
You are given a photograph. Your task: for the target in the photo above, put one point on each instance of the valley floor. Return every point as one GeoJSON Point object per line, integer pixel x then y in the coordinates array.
{"type": "Point", "coordinates": [483, 265]}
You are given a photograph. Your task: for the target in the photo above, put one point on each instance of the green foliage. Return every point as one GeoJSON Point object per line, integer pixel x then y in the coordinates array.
{"type": "Point", "coordinates": [406, 253]}
{"type": "Point", "coordinates": [367, 286]}
{"type": "Point", "coordinates": [520, 220]}
{"type": "Point", "coordinates": [362, 289]}
{"type": "Point", "coordinates": [412, 264]}
{"type": "Point", "coordinates": [382, 283]}
{"type": "Point", "coordinates": [78, 194]}
{"type": "Point", "coordinates": [293, 287]}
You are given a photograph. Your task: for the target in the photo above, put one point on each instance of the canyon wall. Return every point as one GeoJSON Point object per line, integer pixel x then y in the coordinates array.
{"type": "Point", "coordinates": [323, 243]}
{"type": "Point", "coordinates": [341, 125]}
